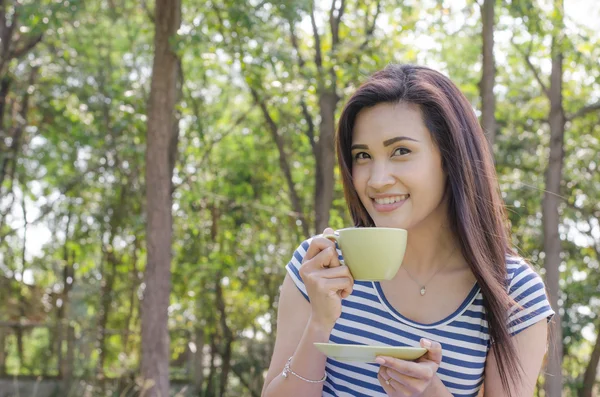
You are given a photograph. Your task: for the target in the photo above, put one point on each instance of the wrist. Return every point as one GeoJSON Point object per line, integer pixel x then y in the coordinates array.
{"type": "Point", "coordinates": [320, 332]}
{"type": "Point", "coordinates": [436, 389]}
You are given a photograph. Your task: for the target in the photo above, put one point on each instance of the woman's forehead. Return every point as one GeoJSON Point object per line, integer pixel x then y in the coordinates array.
{"type": "Point", "coordinates": [385, 121]}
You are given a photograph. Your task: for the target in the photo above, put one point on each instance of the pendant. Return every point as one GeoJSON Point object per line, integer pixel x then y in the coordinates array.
{"type": "Point", "coordinates": [423, 291]}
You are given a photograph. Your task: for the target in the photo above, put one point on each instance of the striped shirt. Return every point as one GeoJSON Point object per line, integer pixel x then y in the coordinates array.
{"type": "Point", "coordinates": [368, 319]}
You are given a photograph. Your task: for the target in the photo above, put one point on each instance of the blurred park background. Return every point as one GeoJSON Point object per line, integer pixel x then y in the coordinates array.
{"type": "Point", "coordinates": [232, 134]}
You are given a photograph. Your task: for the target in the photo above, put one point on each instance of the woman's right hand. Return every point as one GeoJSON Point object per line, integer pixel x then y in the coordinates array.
{"type": "Point", "coordinates": [327, 281]}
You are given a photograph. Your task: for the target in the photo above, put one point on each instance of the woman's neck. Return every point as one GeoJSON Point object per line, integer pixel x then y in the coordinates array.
{"type": "Point", "coordinates": [430, 248]}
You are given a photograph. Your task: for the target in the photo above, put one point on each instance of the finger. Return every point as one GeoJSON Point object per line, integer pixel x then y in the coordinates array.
{"type": "Point", "coordinates": [317, 245]}
{"type": "Point", "coordinates": [341, 286]}
{"type": "Point", "coordinates": [407, 383]}
{"type": "Point", "coordinates": [318, 263]}
{"type": "Point", "coordinates": [386, 384]}
{"type": "Point", "coordinates": [312, 268]}
{"type": "Point", "coordinates": [335, 259]}
{"type": "Point", "coordinates": [391, 386]}
{"type": "Point", "coordinates": [327, 258]}
{"type": "Point", "coordinates": [341, 272]}
{"type": "Point", "coordinates": [434, 351]}
{"type": "Point", "coordinates": [336, 272]}
{"type": "Point", "coordinates": [409, 369]}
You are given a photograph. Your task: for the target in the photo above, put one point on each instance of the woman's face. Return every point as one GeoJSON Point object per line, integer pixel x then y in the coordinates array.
{"type": "Point", "coordinates": [397, 168]}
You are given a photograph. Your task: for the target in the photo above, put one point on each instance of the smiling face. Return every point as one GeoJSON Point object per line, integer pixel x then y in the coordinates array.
{"type": "Point", "coordinates": [397, 168]}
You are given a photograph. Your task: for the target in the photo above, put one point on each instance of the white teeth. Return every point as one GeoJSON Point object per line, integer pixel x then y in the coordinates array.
{"type": "Point", "coordinates": [391, 200]}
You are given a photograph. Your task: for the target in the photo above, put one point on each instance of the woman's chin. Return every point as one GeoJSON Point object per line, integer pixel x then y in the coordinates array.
{"type": "Point", "coordinates": [392, 224]}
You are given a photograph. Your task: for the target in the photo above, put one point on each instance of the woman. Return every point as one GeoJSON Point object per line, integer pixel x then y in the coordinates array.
{"type": "Point", "coordinates": [413, 156]}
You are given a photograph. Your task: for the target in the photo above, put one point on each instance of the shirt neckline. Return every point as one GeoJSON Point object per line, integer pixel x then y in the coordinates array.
{"type": "Point", "coordinates": [460, 310]}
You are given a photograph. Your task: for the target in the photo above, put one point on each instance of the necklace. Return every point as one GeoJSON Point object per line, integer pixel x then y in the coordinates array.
{"type": "Point", "coordinates": [423, 286]}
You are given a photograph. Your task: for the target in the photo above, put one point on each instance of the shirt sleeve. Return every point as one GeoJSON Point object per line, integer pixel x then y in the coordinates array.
{"type": "Point", "coordinates": [293, 267]}
{"type": "Point", "coordinates": [528, 291]}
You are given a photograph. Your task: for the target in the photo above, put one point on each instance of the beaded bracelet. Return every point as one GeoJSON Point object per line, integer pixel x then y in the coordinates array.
{"type": "Point", "coordinates": [287, 370]}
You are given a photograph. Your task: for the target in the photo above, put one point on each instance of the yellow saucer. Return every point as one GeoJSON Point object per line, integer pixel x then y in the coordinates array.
{"type": "Point", "coordinates": [367, 354]}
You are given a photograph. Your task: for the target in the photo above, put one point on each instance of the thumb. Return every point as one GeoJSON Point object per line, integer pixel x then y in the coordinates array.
{"type": "Point", "coordinates": [328, 230]}
{"type": "Point", "coordinates": [434, 350]}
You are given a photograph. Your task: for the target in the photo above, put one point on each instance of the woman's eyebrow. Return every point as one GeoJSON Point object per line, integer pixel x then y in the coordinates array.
{"type": "Point", "coordinates": [385, 143]}
{"type": "Point", "coordinates": [397, 139]}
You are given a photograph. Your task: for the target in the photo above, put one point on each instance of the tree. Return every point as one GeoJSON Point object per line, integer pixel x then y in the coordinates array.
{"type": "Point", "coordinates": [160, 152]}
{"type": "Point", "coordinates": [551, 199]}
{"type": "Point", "coordinates": [553, 188]}
{"type": "Point", "coordinates": [327, 87]}
{"type": "Point", "coordinates": [13, 46]}
{"type": "Point", "coordinates": [589, 377]}
{"type": "Point", "coordinates": [553, 177]}
{"type": "Point", "coordinates": [486, 85]}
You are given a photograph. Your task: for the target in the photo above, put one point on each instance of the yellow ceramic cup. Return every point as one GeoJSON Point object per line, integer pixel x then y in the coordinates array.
{"type": "Point", "coordinates": [371, 253]}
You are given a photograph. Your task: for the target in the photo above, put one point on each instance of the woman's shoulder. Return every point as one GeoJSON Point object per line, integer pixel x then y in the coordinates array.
{"type": "Point", "coordinates": [300, 251]}
{"type": "Point", "coordinates": [519, 270]}
{"type": "Point", "coordinates": [527, 290]}
{"type": "Point", "coordinates": [293, 266]}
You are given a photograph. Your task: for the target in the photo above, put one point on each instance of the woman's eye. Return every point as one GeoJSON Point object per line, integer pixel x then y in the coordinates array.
{"type": "Point", "coordinates": [361, 156]}
{"type": "Point", "coordinates": [402, 151]}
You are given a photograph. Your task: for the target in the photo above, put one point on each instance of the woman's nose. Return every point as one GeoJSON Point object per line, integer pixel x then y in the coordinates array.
{"type": "Point", "coordinates": [381, 176]}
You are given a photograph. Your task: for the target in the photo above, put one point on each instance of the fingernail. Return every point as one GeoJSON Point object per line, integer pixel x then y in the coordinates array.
{"type": "Point", "coordinates": [380, 361]}
{"type": "Point", "coordinates": [426, 342]}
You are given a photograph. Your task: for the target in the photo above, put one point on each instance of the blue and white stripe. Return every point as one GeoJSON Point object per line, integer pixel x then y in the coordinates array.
{"type": "Point", "coordinates": [367, 318]}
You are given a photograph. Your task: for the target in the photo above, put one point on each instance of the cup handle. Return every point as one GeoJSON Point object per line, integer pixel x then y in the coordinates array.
{"type": "Point", "coordinates": [332, 237]}
{"type": "Point", "coordinates": [335, 238]}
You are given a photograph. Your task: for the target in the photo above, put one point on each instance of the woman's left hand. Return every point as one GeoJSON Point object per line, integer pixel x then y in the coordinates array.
{"type": "Point", "coordinates": [410, 378]}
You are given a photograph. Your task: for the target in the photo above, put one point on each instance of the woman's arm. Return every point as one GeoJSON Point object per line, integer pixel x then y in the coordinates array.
{"type": "Point", "coordinates": [295, 336]}
{"type": "Point", "coordinates": [530, 346]}
{"type": "Point", "coordinates": [437, 389]}
{"type": "Point", "coordinates": [300, 324]}
{"type": "Point", "coordinates": [413, 378]}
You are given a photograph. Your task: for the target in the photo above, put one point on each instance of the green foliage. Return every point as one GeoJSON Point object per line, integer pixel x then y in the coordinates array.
{"type": "Point", "coordinates": [81, 168]}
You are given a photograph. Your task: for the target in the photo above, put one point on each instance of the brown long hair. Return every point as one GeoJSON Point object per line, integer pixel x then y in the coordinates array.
{"type": "Point", "coordinates": [475, 210]}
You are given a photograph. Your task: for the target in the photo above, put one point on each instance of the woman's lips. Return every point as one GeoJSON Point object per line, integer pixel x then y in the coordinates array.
{"type": "Point", "coordinates": [390, 203]}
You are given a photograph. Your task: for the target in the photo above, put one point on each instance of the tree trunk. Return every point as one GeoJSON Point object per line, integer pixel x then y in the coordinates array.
{"type": "Point", "coordinates": [4, 88]}
{"type": "Point", "coordinates": [552, 243]}
{"type": "Point", "coordinates": [225, 366]}
{"type": "Point", "coordinates": [133, 279]}
{"type": "Point", "coordinates": [12, 48]}
{"type": "Point", "coordinates": [161, 111]}
{"type": "Point", "coordinates": [209, 391]}
{"type": "Point", "coordinates": [108, 280]}
{"type": "Point", "coordinates": [19, 335]}
{"type": "Point", "coordinates": [227, 337]}
{"type": "Point", "coordinates": [67, 368]}
{"type": "Point", "coordinates": [10, 154]}
{"type": "Point", "coordinates": [3, 332]}
{"type": "Point", "coordinates": [325, 159]}
{"type": "Point", "coordinates": [272, 291]}
{"type": "Point", "coordinates": [197, 371]}
{"type": "Point", "coordinates": [252, 390]}
{"type": "Point", "coordinates": [591, 371]}
{"type": "Point", "coordinates": [486, 85]}
{"type": "Point", "coordinates": [62, 315]}
{"type": "Point", "coordinates": [283, 160]}
{"type": "Point", "coordinates": [328, 99]}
